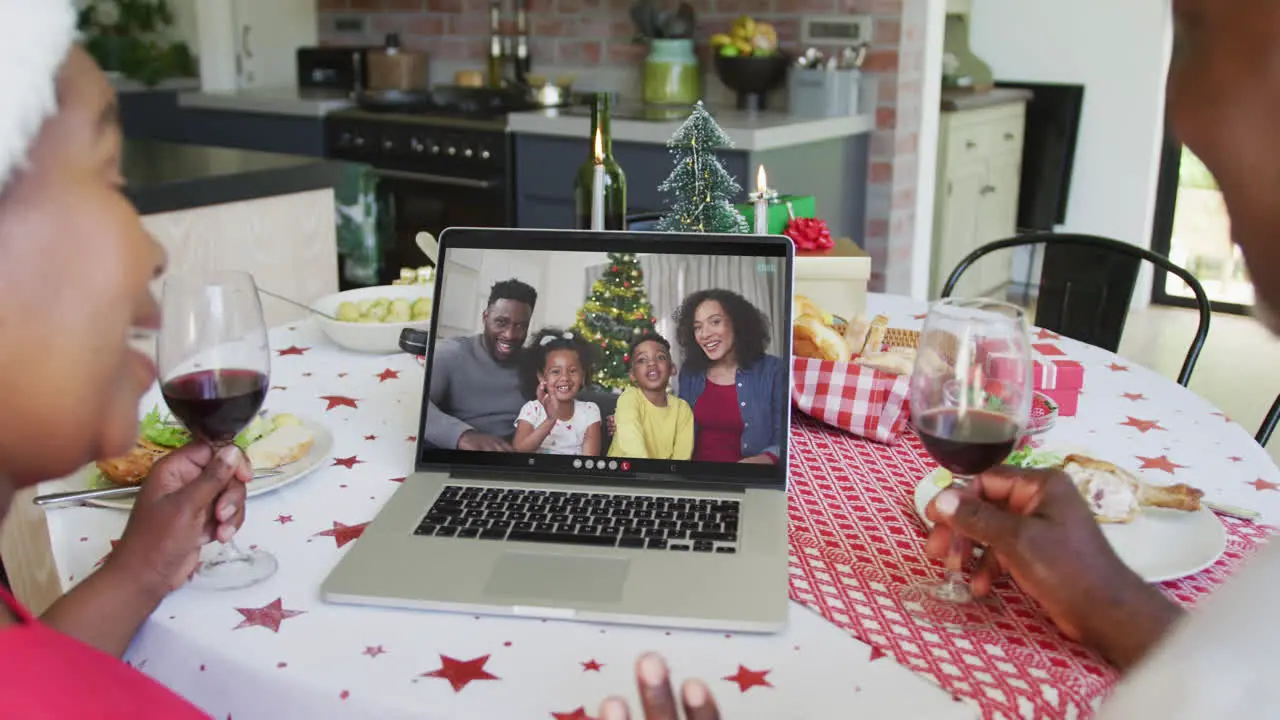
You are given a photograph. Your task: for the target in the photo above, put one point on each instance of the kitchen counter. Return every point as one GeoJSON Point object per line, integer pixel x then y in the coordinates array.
{"type": "Point", "coordinates": [750, 131]}
{"type": "Point", "coordinates": [178, 84]}
{"type": "Point", "coordinates": [269, 101]}
{"type": "Point", "coordinates": [961, 100]}
{"type": "Point", "coordinates": [165, 177]}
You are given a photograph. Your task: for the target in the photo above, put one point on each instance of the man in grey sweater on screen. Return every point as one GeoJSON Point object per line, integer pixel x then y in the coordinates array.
{"type": "Point", "coordinates": [475, 383]}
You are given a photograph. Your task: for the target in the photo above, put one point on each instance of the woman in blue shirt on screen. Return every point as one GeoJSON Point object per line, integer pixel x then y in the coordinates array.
{"type": "Point", "coordinates": [736, 390]}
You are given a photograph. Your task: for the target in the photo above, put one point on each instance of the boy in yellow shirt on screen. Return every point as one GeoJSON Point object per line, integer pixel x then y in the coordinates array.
{"type": "Point", "coordinates": [650, 422]}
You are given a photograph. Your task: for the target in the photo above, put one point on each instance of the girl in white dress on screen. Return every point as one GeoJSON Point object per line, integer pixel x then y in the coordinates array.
{"type": "Point", "coordinates": [554, 370]}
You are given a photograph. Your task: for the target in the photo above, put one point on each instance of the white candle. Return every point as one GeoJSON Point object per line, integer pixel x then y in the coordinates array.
{"type": "Point", "coordinates": [762, 202]}
{"type": "Point", "coordinates": [597, 186]}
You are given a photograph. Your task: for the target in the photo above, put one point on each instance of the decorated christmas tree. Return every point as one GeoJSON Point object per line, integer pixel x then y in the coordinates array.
{"type": "Point", "coordinates": [615, 314]}
{"type": "Point", "coordinates": [701, 189]}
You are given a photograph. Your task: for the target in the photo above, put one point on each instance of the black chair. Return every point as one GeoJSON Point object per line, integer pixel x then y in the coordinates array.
{"type": "Point", "coordinates": [1269, 424]}
{"type": "Point", "coordinates": [1086, 285]}
{"type": "Point", "coordinates": [643, 221]}
{"type": "Point", "coordinates": [607, 401]}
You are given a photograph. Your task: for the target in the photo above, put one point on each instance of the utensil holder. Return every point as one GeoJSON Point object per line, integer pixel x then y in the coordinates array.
{"type": "Point", "coordinates": [824, 93]}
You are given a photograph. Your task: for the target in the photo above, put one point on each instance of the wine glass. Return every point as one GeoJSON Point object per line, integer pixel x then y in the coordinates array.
{"type": "Point", "coordinates": [970, 404]}
{"type": "Point", "coordinates": [214, 367]}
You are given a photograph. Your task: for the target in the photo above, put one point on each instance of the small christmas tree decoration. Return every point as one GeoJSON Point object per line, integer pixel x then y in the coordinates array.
{"type": "Point", "coordinates": [700, 187]}
{"type": "Point", "coordinates": [615, 313]}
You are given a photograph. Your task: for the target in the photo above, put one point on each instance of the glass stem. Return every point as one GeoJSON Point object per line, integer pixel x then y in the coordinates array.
{"type": "Point", "coordinates": [230, 552]}
{"type": "Point", "coordinates": [959, 545]}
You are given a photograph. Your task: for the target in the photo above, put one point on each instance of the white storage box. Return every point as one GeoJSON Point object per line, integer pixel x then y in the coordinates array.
{"type": "Point", "coordinates": [836, 279]}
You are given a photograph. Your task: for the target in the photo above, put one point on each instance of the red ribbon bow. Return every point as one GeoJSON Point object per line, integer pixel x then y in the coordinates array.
{"type": "Point", "coordinates": [809, 234]}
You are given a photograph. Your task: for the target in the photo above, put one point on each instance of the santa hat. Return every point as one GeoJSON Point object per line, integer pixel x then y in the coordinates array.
{"type": "Point", "coordinates": [35, 36]}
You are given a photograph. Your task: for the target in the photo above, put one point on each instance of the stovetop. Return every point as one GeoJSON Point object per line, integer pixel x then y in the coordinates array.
{"type": "Point", "coordinates": [479, 108]}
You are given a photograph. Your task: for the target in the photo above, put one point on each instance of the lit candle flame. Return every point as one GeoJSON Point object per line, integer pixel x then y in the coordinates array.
{"type": "Point", "coordinates": [762, 181]}
{"type": "Point", "coordinates": [599, 148]}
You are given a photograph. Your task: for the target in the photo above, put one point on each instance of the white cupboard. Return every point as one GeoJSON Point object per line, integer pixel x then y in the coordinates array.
{"type": "Point", "coordinates": [979, 173]}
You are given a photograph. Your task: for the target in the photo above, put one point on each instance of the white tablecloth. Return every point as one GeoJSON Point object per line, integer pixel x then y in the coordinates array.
{"type": "Point", "coordinates": [276, 651]}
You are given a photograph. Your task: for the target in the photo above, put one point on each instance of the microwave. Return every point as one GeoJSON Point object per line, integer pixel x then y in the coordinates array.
{"type": "Point", "coordinates": [333, 68]}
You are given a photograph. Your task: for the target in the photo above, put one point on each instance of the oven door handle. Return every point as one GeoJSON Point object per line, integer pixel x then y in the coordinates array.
{"type": "Point", "coordinates": [437, 179]}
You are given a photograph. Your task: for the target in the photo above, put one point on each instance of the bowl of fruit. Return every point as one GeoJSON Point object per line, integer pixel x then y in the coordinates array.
{"type": "Point", "coordinates": [371, 319]}
{"type": "Point", "coordinates": [748, 61]}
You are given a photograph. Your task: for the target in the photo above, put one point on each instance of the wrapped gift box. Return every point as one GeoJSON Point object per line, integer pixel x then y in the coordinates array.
{"type": "Point", "coordinates": [1054, 374]}
{"type": "Point", "coordinates": [836, 279]}
{"type": "Point", "coordinates": [804, 206]}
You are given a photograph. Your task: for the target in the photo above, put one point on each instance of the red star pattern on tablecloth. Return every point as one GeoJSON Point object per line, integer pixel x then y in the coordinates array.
{"type": "Point", "coordinates": [396, 480]}
{"type": "Point", "coordinates": [370, 438]}
{"type": "Point", "coordinates": [347, 462]}
{"type": "Point", "coordinates": [1133, 396]}
{"type": "Point", "coordinates": [343, 534]}
{"type": "Point", "coordinates": [876, 654]}
{"type": "Point", "coordinates": [292, 350]}
{"type": "Point", "coordinates": [1043, 334]}
{"type": "Point", "coordinates": [411, 438]}
{"type": "Point", "coordinates": [268, 616]}
{"type": "Point", "coordinates": [1236, 459]}
{"type": "Point", "coordinates": [1222, 415]}
{"type": "Point", "coordinates": [284, 519]}
{"type": "Point", "coordinates": [591, 666]}
{"type": "Point", "coordinates": [747, 679]}
{"type": "Point", "coordinates": [1160, 463]}
{"type": "Point", "coordinates": [579, 714]}
{"type": "Point", "coordinates": [1143, 425]}
{"type": "Point", "coordinates": [387, 374]}
{"type": "Point", "coordinates": [373, 651]}
{"type": "Point", "coordinates": [340, 401]}
{"type": "Point", "coordinates": [1261, 485]}
{"type": "Point", "coordinates": [920, 316]}
{"type": "Point", "coordinates": [461, 672]}
{"type": "Point", "coordinates": [1117, 367]}
{"type": "Point", "coordinates": [102, 560]}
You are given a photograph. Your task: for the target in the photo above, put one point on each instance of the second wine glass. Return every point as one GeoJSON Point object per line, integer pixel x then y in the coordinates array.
{"type": "Point", "coordinates": [970, 404]}
{"type": "Point", "coordinates": [215, 365]}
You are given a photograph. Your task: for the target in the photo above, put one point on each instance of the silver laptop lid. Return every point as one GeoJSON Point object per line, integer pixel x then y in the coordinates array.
{"type": "Point", "coordinates": [524, 314]}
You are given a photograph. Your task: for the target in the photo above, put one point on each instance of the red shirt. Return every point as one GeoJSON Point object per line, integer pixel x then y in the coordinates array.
{"type": "Point", "coordinates": [46, 675]}
{"type": "Point", "coordinates": [717, 423]}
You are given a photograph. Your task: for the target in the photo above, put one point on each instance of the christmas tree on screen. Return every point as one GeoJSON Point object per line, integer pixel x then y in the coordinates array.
{"type": "Point", "coordinates": [615, 314]}
{"type": "Point", "coordinates": [701, 189]}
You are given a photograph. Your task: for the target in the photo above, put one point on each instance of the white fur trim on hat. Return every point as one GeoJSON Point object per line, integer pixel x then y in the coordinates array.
{"type": "Point", "coordinates": [35, 36]}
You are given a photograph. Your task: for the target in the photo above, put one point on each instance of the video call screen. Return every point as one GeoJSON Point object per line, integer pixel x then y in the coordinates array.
{"type": "Point", "coordinates": [611, 362]}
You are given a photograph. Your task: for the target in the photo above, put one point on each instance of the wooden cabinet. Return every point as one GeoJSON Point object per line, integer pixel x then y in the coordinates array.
{"type": "Point", "coordinates": [979, 172]}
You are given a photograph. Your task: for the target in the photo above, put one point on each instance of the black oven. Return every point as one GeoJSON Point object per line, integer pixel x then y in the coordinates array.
{"type": "Point", "coordinates": [432, 173]}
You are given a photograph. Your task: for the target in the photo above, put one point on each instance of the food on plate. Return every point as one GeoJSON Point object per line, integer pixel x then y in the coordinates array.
{"type": "Point", "coordinates": [895, 361]}
{"type": "Point", "coordinates": [384, 310]}
{"type": "Point", "coordinates": [158, 437]}
{"type": "Point", "coordinates": [812, 338]}
{"type": "Point", "coordinates": [288, 443]}
{"type": "Point", "coordinates": [1115, 495]}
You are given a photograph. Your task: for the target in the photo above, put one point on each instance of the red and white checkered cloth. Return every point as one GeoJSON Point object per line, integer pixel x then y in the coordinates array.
{"type": "Point", "coordinates": [866, 402]}
{"type": "Point", "coordinates": [856, 542]}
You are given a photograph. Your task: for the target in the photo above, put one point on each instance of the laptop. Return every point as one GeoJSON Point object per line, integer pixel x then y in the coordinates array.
{"type": "Point", "coordinates": [692, 540]}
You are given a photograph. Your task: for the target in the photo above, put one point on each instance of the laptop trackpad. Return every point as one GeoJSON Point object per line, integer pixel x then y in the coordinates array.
{"type": "Point", "coordinates": [558, 577]}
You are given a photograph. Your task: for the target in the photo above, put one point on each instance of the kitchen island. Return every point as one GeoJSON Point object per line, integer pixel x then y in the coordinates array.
{"type": "Point", "coordinates": [219, 208]}
{"type": "Point", "coordinates": [824, 157]}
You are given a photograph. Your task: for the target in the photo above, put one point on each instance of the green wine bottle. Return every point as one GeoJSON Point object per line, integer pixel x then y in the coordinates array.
{"type": "Point", "coordinates": [600, 176]}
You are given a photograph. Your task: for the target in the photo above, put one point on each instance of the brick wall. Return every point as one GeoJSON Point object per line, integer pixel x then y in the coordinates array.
{"type": "Point", "coordinates": [577, 33]}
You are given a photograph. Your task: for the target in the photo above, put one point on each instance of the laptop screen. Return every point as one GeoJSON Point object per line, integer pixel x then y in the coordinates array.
{"type": "Point", "coordinates": [628, 355]}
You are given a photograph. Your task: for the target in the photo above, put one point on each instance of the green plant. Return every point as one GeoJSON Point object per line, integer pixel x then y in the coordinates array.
{"type": "Point", "coordinates": [126, 36]}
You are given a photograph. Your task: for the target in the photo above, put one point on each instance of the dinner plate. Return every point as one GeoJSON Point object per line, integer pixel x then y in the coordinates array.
{"type": "Point", "coordinates": [1159, 545]}
{"type": "Point", "coordinates": [294, 471]}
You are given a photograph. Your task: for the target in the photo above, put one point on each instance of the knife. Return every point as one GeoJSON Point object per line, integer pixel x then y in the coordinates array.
{"type": "Point", "coordinates": [77, 496]}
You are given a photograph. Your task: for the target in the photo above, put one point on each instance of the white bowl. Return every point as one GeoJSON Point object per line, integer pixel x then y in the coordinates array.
{"type": "Point", "coordinates": [370, 337]}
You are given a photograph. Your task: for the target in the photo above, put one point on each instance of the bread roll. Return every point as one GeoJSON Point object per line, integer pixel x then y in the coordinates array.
{"type": "Point", "coordinates": [896, 362]}
{"type": "Point", "coordinates": [855, 334]}
{"type": "Point", "coordinates": [283, 446]}
{"type": "Point", "coordinates": [875, 336]}
{"type": "Point", "coordinates": [805, 306]}
{"type": "Point", "coordinates": [811, 338]}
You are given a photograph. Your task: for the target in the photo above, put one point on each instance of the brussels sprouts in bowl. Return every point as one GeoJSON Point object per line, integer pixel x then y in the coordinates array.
{"type": "Point", "coordinates": [370, 319]}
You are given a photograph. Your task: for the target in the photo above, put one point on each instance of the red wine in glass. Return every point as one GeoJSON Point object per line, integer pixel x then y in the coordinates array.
{"type": "Point", "coordinates": [215, 405]}
{"type": "Point", "coordinates": [969, 442]}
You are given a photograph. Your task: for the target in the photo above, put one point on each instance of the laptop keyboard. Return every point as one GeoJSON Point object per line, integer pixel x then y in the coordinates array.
{"type": "Point", "coordinates": [653, 522]}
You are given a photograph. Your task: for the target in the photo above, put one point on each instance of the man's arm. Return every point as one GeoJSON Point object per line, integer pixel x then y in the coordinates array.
{"type": "Point", "coordinates": [442, 429]}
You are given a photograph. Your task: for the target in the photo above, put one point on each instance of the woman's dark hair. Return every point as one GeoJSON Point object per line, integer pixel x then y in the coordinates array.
{"type": "Point", "coordinates": [750, 328]}
{"type": "Point", "coordinates": [533, 359]}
